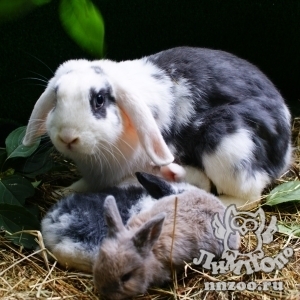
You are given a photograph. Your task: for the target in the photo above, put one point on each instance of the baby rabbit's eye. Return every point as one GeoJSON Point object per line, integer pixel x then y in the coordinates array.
{"type": "Point", "coordinates": [126, 277]}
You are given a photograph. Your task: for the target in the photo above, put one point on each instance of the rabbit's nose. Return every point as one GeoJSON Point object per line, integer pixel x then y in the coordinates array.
{"type": "Point", "coordinates": [68, 137]}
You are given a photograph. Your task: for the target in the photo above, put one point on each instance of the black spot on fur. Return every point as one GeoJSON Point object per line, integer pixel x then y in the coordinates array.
{"type": "Point", "coordinates": [85, 211]}
{"type": "Point", "coordinates": [158, 76]}
{"type": "Point", "coordinates": [56, 89]}
{"type": "Point", "coordinates": [100, 100]}
{"type": "Point", "coordinates": [155, 111]}
{"type": "Point", "coordinates": [97, 69]}
{"type": "Point", "coordinates": [228, 93]}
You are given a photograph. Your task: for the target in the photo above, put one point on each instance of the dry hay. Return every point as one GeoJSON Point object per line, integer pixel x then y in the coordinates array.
{"type": "Point", "coordinates": [26, 275]}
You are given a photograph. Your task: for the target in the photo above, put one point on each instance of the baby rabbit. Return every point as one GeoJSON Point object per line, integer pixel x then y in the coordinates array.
{"type": "Point", "coordinates": [216, 114]}
{"type": "Point", "coordinates": [144, 252]}
{"type": "Point", "coordinates": [74, 227]}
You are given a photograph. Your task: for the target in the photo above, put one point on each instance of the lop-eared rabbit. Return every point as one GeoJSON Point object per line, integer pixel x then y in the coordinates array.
{"type": "Point", "coordinates": [156, 241]}
{"type": "Point", "coordinates": [216, 114]}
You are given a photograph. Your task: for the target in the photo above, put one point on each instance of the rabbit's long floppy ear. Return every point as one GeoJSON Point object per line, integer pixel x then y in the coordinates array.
{"type": "Point", "coordinates": [146, 127]}
{"type": "Point", "coordinates": [36, 125]}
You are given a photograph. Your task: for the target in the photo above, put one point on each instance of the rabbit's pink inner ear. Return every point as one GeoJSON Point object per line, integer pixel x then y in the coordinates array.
{"type": "Point", "coordinates": [36, 125]}
{"type": "Point", "coordinates": [147, 130]}
{"type": "Point", "coordinates": [155, 146]}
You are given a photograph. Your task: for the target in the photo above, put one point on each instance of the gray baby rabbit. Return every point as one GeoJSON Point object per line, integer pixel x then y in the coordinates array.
{"type": "Point", "coordinates": [74, 227]}
{"type": "Point", "coordinates": [140, 254]}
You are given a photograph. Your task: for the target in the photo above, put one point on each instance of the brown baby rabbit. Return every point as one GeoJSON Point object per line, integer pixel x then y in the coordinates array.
{"type": "Point", "coordinates": [144, 252]}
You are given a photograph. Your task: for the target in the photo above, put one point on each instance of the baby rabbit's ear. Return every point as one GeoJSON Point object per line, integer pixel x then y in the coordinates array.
{"type": "Point", "coordinates": [146, 128]}
{"type": "Point", "coordinates": [112, 216]}
{"type": "Point", "coordinates": [148, 234]}
{"type": "Point", "coordinates": [155, 186]}
{"type": "Point", "coordinates": [36, 125]}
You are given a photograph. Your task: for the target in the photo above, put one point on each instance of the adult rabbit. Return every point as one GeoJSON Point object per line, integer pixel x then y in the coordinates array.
{"type": "Point", "coordinates": [218, 115]}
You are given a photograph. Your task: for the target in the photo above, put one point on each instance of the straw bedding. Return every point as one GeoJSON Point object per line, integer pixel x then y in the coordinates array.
{"type": "Point", "coordinates": [28, 275]}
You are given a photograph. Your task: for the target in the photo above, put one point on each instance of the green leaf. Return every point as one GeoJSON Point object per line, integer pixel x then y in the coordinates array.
{"type": "Point", "coordinates": [15, 189]}
{"type": "Point", "coordinates": [14, 146]}
{"type": "Point", "coordinates": [293, 230]}
{"type": "Point", "coordinates": [33, 209]}
{"type": "Point", "coordinates": [35, 184]}
{"type": "Point", "coordinates": [16, 218]}
{"type": "Point", "coordinates": [84, 23]}
{"type": "Point", "coordinates": [285, 192]}
{"type": "Point", "coordinates": [38, 163]}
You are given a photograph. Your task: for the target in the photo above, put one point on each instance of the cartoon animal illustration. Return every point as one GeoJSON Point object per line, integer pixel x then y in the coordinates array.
{"type": "Point", "coordinates": [242, 222]}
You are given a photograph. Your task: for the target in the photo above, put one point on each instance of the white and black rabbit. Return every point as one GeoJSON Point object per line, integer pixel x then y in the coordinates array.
{"type": "Point", "coordinates": [155, 242]}
{"type": "Point", "coordinates": [218, 115]}
{"type": "Point", "coordinates": [74, 227]}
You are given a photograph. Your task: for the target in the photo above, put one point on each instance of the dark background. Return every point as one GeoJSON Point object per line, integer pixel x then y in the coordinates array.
{"type": "Point", "coordinates": [265, 32]}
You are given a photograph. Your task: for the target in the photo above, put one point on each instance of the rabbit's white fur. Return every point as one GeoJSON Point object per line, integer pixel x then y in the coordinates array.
{"type": "Point", "coordinates": [107, 149]}
{"type": "Point", "coordinates": [237, 147]}
{"type": "Point", "coordinates": [147, 250]}
{"type": "Point", "coordinates": [218, 115]}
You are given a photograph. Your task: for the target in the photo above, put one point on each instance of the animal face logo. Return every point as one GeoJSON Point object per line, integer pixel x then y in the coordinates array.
{"type": "Point", "coordinates": [240, 222]}
{"type": "Point", "coordinates": [243, 223]}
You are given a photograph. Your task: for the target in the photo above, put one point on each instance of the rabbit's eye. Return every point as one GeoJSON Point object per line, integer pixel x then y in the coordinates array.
{"type": "Point", "coordinates": [126, 276]}
{"type": "Point", "coordinates": [98, 101]}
